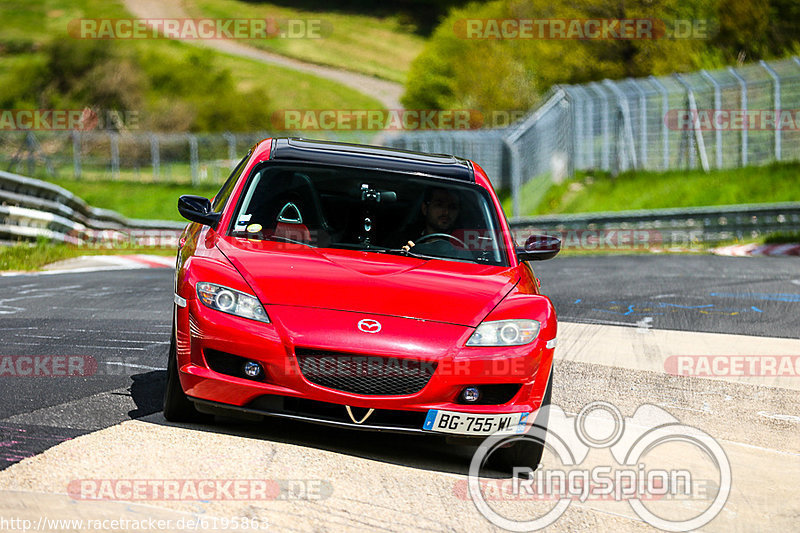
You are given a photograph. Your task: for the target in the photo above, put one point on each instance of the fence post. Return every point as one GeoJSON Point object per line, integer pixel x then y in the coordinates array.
{"type": "Point", "coordinates": [627, 129]}
{"type": "Point", "coordinates": [76, 154]}
{"type": "Point", "coordinates": [193, 157]}
{"type": "Point", "coordinates": [114, 155]}
{"type": "Point", "coordinates": [587, 140]}
{"type": "Point", "coordinates": [516, 178]}
{"type": "Point", "coordinates": [604, 157]}
{"type": "Point", "coordinates": [743, 104]}
{"type": "Point", "coordinates": [155, 156]}
{"type": "Point", "coordinates": [698, 134]}
{"type": "Point", "coordinates": [577, 132]}
{"type": "Point", "coordinates": [717, 106]}
{"type": "Point", "coordinates": [776, 83]}
{"type": "Point", "coordinates": [642, 122]}
{"type": "Point", "coordinates": [567, 103]}
{"type": "Point", "coordinates": [231, 145]}
{"type": "Point", "coordinates": [664, 128]}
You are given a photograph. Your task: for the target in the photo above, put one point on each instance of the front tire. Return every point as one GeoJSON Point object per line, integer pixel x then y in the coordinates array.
{"type": "Point", "coordinates": [526, 452]}
{"type": "Point", "coordinates": [177, 407]}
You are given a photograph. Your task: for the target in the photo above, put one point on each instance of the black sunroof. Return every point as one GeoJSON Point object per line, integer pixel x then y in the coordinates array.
{"type": "Point", "coordinates": [365, 156]}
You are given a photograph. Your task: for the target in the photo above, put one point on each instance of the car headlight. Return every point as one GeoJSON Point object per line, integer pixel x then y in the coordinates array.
{"type": "Point", "coordinates": [231, 301]}
{"type": "Point", "coordinates": [505, 333]}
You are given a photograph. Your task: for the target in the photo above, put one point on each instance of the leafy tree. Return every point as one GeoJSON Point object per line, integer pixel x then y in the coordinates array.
{"type": "Point", "coordinates": [188, 92]}
{"type": "Point", "coordinates": [512, 74]}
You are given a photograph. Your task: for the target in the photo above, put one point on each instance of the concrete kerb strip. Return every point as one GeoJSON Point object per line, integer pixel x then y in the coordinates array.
{"type": "Point", "coordinates": [637, 348]}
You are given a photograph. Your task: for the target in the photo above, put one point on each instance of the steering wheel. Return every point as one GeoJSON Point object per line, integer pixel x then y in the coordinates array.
{"type": "Point", "coordinates": [441, 235]}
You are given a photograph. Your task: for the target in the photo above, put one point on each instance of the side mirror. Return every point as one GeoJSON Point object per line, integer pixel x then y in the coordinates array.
{"type": "Point", "coordinates": [197, 209]}
{"type": "Point", "coordinates": [539, 248]}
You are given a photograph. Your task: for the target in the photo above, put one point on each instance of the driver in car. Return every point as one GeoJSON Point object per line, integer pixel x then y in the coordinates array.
{"type": "Point", "coordinates": [440, 210]}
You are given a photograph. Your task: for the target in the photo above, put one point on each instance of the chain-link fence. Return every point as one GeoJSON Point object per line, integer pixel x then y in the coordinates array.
{"type": "Point", "coordinates": [133, 155]}
{"type": "Point", "coordinates": [487, 147]}
{"type": "Point", "coordinates": [719, 119]}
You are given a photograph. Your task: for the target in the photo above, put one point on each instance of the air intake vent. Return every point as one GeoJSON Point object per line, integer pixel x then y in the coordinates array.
{"type": "Point", "coordinates": [364, 374]}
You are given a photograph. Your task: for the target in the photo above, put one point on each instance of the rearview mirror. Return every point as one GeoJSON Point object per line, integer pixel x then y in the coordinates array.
{"type": "Point", "coordinates": [197, 209]}
{"type": "Point", "coordinates": [539, 248]}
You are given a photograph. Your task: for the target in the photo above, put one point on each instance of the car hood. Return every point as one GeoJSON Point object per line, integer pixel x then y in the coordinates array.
{"type": "Point", "coordinates": [383, 284]}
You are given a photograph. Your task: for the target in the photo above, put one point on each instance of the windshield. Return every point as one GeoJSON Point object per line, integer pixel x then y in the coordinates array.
{"type": "Point", "coordinates": [378, 211]}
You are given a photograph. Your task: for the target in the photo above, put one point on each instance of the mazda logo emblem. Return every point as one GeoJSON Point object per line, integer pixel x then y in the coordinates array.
{"type": "Point", "coordinates": [369, 326]}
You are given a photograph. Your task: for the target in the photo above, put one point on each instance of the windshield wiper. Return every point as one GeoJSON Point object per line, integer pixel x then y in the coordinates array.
{"type": "Point", "coordinates": [409, 253]}
{"type": "Point", "coordinates": [400, 251]}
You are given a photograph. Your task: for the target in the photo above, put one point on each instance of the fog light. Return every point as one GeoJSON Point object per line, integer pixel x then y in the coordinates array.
{"type": "Point", "coordinates": [471, 394]}
{"type": "Point", "coordinates": [252, 369]}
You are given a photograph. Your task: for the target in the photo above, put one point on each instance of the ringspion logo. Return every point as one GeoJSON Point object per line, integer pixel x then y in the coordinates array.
{"type": "Point", "coordinates": [654, 465]}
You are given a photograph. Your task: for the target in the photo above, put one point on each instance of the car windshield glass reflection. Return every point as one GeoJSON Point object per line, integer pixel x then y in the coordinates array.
{"type": "Point", "coordinates": [378, 211]}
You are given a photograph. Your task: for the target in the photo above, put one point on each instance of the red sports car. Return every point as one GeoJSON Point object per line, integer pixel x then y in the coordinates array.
{"type": "Point", "coordinates": [364, 287]}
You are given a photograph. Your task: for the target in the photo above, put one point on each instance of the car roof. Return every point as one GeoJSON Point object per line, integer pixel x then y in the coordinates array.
{"type": "Point", "coordinates": [377, 157]}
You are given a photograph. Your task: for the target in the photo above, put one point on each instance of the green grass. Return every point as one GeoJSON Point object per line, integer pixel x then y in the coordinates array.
{"type": "Point", "coordinates": [782, 237]}
{"type": "Point", "coordinates": [38, 20]}
{"type": "Point", "coordinates": [154, 201]}
{"type": "Point", "coordinates": [531, 195]}
{"type": "Point", "coordinates": [779, 182]}
{"type": "Point", "coordinates": [288, 89]}
{"type": "Point", "coordinates": [169, 173]}
{"type": "Point", "coordinates": [35, 22]}
{"type": "Point", "coordinates": [378, 46]}
{"type": "Point", "coordinates": [33, 256]}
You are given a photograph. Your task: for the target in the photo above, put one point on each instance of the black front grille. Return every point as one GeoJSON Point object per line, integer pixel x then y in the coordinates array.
{"type": "Point", "coordinates": [364, 374]}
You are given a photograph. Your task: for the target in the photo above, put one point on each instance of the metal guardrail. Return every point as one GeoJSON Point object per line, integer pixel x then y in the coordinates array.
{"type": "Point", "coordinates": [668, 227]}
{"type": "Point", "coordinates": [31, 208]}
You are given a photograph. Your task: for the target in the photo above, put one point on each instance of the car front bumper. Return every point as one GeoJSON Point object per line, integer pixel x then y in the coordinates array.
{"type": "Point", "coordinates": [286, 392]}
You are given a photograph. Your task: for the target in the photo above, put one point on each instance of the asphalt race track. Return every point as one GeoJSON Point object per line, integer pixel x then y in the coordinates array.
{"type": "Point", "coordinates": [678, 292]}
{"type": "Point", "coordinates": [113, 328]}
{"type": "Point", "coordinates": [116, 322]}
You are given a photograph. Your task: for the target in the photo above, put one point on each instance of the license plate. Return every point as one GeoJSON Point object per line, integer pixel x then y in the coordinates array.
{"type": "Point", "coordinates": [474, 424]}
